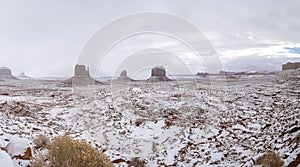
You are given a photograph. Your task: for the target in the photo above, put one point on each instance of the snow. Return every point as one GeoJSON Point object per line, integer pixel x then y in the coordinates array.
{"type": "Point", "coordinates": [149, 130]}
{"type": "Point", "coordinates": [5, 160]}
{"type": "Point", "coordinates": [186, 123]}
{"type": "Point", "coordinates": [17, 146]}
{"type": "Point", "coordinates": [4, 68]}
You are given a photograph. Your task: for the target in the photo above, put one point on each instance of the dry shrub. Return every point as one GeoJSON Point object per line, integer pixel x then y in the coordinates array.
{"type": "Point", "coordinates": [269, 159]}
{"type": "Point", "coordinates": [38, 161]}
{"type": "Point", "coordinates": [41, 141]}
{"type": "Point", "coordinates": [296, 139]}
{"type": "Point", "coordinates": [136, 162]}
{"type": "Point", "coordinates": [66, 152]}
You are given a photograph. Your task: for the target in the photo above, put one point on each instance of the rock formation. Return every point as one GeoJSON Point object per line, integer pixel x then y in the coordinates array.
{"type": "Point", "coordinates": [123, 76]}
{"type": "Point", "coordinates": [81, 71]}
{"type": "Point", "coordinates": [158, 74]}
{"type": "Point", "coordinates": [81, 77]}
{"type": "Point", "coordinates": [290, 66]}
{"type": "Point", "coordinates": [5, 73]}
{"type": "Point", "coordinates": [202, 74]}
{"type": "Point", "coordinates": [291, 75]}
{"type": "Point", "coordinates": [22, 76]}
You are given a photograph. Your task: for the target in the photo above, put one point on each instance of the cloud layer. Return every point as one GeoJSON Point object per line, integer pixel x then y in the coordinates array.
{"type": "Point", "coordinates": [44, 38]}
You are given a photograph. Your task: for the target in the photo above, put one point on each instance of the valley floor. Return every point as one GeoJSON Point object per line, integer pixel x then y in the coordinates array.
{"type": "Point", "coordinates": [180, 123]}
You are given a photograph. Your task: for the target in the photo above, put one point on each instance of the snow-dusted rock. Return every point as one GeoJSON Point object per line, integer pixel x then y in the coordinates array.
{"type": "Point", "coordinates": [17, 146]}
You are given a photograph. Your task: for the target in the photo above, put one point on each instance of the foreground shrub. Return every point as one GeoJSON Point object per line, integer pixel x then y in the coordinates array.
{"type": "Point", "coordinates": [39, 161]}
{"type": "Point", "coordinates": [269, 160]}
{"type": "Point", "coordinates": [136, 162]}
{"type": "Point", "coordinates": [66, 152]}
{"type": "Point", "coordinates": [41, 141]}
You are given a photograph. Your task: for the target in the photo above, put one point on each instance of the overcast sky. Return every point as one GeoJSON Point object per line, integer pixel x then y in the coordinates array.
{"type": "Point", "coordinates": [45, 38]}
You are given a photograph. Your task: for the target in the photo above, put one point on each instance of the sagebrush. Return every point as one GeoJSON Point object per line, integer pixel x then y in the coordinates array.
{"type": "Point", "coordinates": [66, 152]}
{"type": "Point", "coordinates": [41, 141]}
{"type": "Point", "coordinates": [270, 159]}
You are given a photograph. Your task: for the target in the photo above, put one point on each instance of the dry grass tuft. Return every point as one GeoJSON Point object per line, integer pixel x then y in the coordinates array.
{"type": "Point", "coordinates": [269, 160]}
{"type": "Point", "coordinates": [38, 161]}
{"type": "Point", "coordinates": [41, 141]}
{"type": "Point", "coordinates": [136, 162]}
{"type": "Point", "coordinates": [296, 139]}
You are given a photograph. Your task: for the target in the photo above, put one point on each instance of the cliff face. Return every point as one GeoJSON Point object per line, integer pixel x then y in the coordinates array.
{"type": "Point", "coordinates": [158, 74]}
{"type": "Point", "coordinates": [81, 77]}
{"type": "Point", "coordinates": [123, 76]}
{"type": "Point", "coordinates": [5, 73]}
{"type": "Point", "coordinates": [80, 70]}
{"type": "Point", "coordinates": [290, 66]}
{"type": "Point", "coordinates": [22, 76]}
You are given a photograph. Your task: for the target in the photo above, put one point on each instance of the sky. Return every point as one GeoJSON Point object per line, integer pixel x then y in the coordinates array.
{"type": "Point", "coordinates": [46, 38]}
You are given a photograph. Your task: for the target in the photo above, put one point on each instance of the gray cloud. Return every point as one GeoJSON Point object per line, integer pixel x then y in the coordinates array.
{"type": "Point", "coordinates": [44, 38]}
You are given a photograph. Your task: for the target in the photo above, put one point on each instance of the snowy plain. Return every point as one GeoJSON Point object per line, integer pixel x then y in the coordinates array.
{"type": "Point", "coordinates": [187, 122]}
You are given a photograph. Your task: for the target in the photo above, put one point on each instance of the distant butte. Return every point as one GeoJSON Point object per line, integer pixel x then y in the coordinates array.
{"type": "Point", "coordinates": [81, 77]}
{"type": "Point", "coordinates": [5, 73]}
{"type": "Point", "coordinates": [123, 76]}
{"type": "Point", "coordinates": [158, 73]}
{"type": "Point", "coordinates": [22, 76]}
{"type": "Point", "coordinates": [291, 66]}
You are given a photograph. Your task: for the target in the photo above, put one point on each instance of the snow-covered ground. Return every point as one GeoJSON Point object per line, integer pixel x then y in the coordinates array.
{"type": "Point", "coordinates": [182, 123]}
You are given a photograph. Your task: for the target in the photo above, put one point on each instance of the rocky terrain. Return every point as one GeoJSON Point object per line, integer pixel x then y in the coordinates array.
{"type": "Point", "coordinates": [178, 123]}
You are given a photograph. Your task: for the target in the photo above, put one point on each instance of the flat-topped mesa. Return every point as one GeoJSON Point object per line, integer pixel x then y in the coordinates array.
{"type": "Point", "coordinates": [123, 76]}
{"type": "Point", "coordinates": [290, 66]}
{"type": "Point", "coordinates": [158, 73]}
{"type": "Point", "coordinates": [81, 71]}
{"type": "Point", "coordinates": [5, 73]}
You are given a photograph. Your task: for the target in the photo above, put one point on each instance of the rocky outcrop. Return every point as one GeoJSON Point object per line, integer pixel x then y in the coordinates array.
{"type": "Point", "coordinates": [202, 74]}
{"type": "Point", "coordinates": [123, 76]}
{"type": "Point", "coordinates": [5, 73]}
{"type": "Point", "coordinates": [81, 71]}
{"type": "Point", "coordinates": [291, 75]}
{"type": "Point", "coordinates": [19, 108]}
{"type": "Point", "coordinates": [81, 77]}
{"type": "Point", "coordinates": [158, 73]}
{"type": "Point", "coordinates": [22, 76]}
{"type": "Point", "coordinates": [290, 66]}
